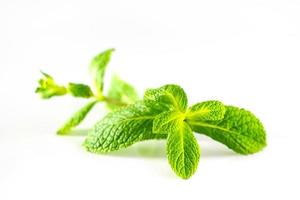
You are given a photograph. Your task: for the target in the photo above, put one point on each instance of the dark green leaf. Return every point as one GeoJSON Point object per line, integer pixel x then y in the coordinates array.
{"type": "Point", "coordinates": [80, 90]}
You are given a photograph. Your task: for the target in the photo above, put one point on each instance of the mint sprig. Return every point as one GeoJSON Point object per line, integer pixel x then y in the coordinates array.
{"type": "Point", "coordinates": [163, 113]}
{"type": "Point", "coordinates": [120, 93]}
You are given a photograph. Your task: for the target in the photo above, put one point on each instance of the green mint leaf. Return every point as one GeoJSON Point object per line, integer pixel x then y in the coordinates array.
{"type": "Point", "coordinates": [48, 88]}
{"type": "Point", "coordinates": [161, 123]}
{"type": "Point", "coordinates": [182, 148]}
{"type": "Point", "coordinates": [172, 97]}
{"type": "Point", "coordinates": [80, 90]}
{"type": "Point", "coordinates": [239, 130]}
{"type": "Point", "coordinates": [98, 67]}
{"type": "Point", "coordinates": [121, 91]}
{"type": "Point", "coordinates": [183, 151]}
{"type": "Point", "coordinates": [207, 110]}
{"type": "Point", "coordinates": [122, 128]}
{"type": "Point", "coordinates": [76, 118]}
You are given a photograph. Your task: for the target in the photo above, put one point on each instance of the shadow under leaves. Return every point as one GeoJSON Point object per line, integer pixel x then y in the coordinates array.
{"type": "Point", "coordinates": [157, 148]}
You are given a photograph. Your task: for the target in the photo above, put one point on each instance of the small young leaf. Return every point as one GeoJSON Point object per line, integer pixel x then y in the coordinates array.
{"type": "Point", "coordinates": [239, 130]}
{"type": "Point", "coordinates": [183, 151]}
{"type": "Point", "coordinates": [98, 67]}
{"type": "Point", "coordinates": [122, 91]}
{"type": "Point", "coordinates": [172, 97]}
{"type": "Point", "coordinates": [122, 128]}
{"type": "Point", "coordinates": [207, 110]}
{"type": "Point", "coordinates": [76, 118]}
{"type": "Point", "coordinates": [80, 90]}
{"type": "Point", "coordinates": [48, 88]}
{"type": "Point", "coordinates": [162, 121]}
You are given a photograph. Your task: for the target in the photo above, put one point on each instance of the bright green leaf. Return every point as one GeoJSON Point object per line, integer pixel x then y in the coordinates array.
{"type": "Point", "coordinates": [80, 90]}
{"type": "Point", "coordinates": [122, 91]}
{"type": "Point", "coordinates": [183, 151]}
{"type": "Point", "coordinates": [206, 111]}
{"type": "Point", "coordinates": [76, 118]}
{"type": "Point", "coordinates": [161, 123]}
{"type": "Point", "coordinates": [122, 128]}
{"type": "Point", "coordinates": [48, 88]}
{"type": "Point", "coordinates": [170, 96]}
{"type": "Point", "coordinates": [98, 67]}
{"type": "Point", "coordinates": [239, 130]}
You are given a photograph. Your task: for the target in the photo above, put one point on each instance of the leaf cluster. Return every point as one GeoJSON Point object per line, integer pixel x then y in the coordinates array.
{"type": "Point", "coordinates": [119, 94]}
{"type": "Point", "coordinates": [162, 113]}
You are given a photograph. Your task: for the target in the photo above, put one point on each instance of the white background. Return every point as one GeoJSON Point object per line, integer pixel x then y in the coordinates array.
{"type": "Point", "coordinates": [245, 53]}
